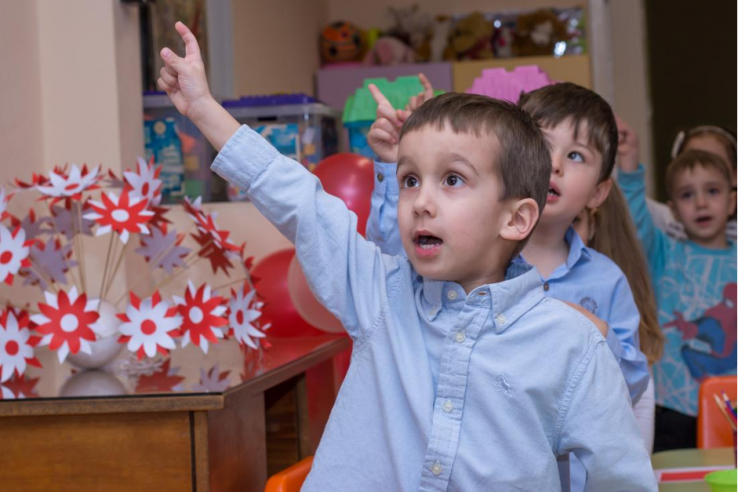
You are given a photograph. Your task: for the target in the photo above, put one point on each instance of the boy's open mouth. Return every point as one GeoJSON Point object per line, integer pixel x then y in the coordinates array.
{"type": "Point", "coordinates": [705, 219]}
{"type": "Point", "coordinates": [553, 191]}
{"type": "Point", "coordinates": [428, 242]}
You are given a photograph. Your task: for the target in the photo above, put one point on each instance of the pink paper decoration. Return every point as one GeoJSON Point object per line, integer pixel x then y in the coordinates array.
{"type": "Point", "coordinates": [501, 84]}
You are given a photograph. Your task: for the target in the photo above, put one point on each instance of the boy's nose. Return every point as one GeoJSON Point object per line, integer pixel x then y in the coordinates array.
{"type": "Point", "coordinates": [556, 167]}
{"type": "Point", "coordinates": [701, 199]}
{"type": "Point", "coordinates": [424, 204]}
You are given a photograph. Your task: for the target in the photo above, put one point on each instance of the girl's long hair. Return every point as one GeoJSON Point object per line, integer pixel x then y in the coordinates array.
{"type": "Point", "coordinates": [615, 236]}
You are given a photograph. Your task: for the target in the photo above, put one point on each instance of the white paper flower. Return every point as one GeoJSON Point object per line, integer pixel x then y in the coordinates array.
{"type": "Point", "coordinates": [149, 325]}
{"type": "Point", "coordinates": [242, 311]}
{"type": "Point", "coordinates": [14, 251]}
{"type": "Point", "coordinates": [72, 186]}
{"type": "Point", "coordinates": [145, 182]}
{"type": "Point", "coordinates": [16, 345]}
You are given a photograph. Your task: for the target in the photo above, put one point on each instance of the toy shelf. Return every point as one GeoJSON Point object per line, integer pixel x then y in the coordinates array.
{"type": "Point", "coordinates": [335, 84]}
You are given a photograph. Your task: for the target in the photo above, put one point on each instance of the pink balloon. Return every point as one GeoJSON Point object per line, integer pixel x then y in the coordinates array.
{"type": "Point", "coordinates": [349, 177]}
{"type": "Point", "coordinates": [271, 285]}
{"type": "Point", "coordinates": [306, 304]}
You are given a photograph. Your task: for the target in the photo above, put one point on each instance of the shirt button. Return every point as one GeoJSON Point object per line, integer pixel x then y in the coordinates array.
{"type": "Point", "coordinates": [452, 295]}
{"type": "Point", "coordinates": [380, 177]}
{"type": "Point", "coordinates": [436, 468]}
{"type": "Point", "coordinates": [460, 337]}
{"type": "Point", "coordinates": [545, 286]}
{"type": "Point", "coordinates": [448, 406]}
{"type": "Point", "coordinates": [500, 319]}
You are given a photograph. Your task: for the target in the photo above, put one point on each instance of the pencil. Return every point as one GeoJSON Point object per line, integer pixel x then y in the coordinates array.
{"type": "Point", "coordinates": [729, 404]}
{"type": "Point", "coordinates": [721, 406]}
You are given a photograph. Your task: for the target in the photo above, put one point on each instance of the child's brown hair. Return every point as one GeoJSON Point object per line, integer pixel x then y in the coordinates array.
{"type": "Point", "coordinates": [689, 160]}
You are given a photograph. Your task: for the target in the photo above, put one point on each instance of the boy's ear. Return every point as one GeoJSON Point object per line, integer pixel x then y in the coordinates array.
{"type": "Point", "coordinates": [521, 221]}
{"type": "Point", "coordinates": [600, 194]}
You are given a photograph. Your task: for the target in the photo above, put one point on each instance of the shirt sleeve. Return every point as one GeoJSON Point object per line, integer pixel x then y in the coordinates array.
{"type": "Point", "coordinates": [654, 240]}
{"type": "Point", "coordinates": [623, 340]}
{"type": "Point", "coordinates": [599, 427]}
{"type": "Point", "coordinates": [382, 227]}
{"type": "Point", "coordinates": [347, 274]}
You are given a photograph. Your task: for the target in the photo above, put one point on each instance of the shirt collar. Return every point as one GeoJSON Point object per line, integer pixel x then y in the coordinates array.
{"type": "Point", "coordinates": [577, 249]}
{"type": "Point", "coordinates": [510, 299]}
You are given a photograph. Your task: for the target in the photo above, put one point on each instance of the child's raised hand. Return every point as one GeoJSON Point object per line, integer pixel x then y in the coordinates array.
{"type": "Point", "coordinates": [383, 137]}
{"type": "Point", "coordinates": [627, 147]}
{"type": "Point", "coordinates": [416, 101]}
{"type": "Point", "coordinates": [184, 79]}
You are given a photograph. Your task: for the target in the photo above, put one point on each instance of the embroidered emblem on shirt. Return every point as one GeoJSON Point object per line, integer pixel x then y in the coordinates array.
{"type": "Point", "coordinates": [504, 385]}
{"type": "Point", "coordinates": [589, 304]}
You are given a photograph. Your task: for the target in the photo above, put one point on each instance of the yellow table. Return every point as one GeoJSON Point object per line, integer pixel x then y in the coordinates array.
{"type": "Point", "coordinates": [683, 458]}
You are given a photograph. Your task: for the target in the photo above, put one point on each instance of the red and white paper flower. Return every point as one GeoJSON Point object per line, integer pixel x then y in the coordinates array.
{"type": "Point", "coordinates": [243, 310]}
{"type": "Point", "coordinates": [149, 325]}
{"type": "Point", "coordinates": [4, 198]}
{"type": "Point", "coordinates": [14, 251]}
{"type": "Point", "coordinates": [124, 215]}
{"type": "Point", "coordinates": [163, 379]}
{"type": "Point", "coordinates": [66, 321]}
{"type": "Point", "coordinates": [202, 316]}
{"type": "Point", "coordinates": [60, 186]}
{"type": "Point", "coordinates": [145, 183]}
{"type": "Point", "coordinates": [16, 345]}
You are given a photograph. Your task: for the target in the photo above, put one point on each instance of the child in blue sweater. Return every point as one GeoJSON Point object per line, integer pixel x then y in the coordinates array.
{"type": "Point", "coordinates": [694, 280]}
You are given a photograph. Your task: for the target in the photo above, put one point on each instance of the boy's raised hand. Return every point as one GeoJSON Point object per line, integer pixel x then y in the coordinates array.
{"type": "Point", "coordinates": [627, 147]}
{"type": "Point", "coordinates": [184, 79]}
{"type": "Point", "coordinates": [384, 134]}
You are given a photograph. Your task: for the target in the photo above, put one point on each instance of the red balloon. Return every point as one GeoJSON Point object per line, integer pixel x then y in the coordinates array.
{"type": "Point", "coordinates": [349, 177]}
{"type": "Point", "coordinates": [272, 286]}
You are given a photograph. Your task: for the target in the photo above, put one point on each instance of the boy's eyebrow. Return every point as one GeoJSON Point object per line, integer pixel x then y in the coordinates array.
{"type": "Point", "coordinates": [453, 156]}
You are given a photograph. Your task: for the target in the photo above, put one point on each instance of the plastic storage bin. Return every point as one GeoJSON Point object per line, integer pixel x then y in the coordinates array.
{"type": "Point", "coordinates": [179, 147]}
{"type": "Point", "coordinates": [298, 125]}
{"type": "Point", "coordinates": [360, 110]}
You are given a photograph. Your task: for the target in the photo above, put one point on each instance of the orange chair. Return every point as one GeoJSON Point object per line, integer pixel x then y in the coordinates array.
{"type": "Point", "coordinates": [290, 479]}
{"type": "Point", "coordinates": [712, 429]}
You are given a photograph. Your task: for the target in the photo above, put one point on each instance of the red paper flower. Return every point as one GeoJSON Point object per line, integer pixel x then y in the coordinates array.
{"type": "Point", "coordinates": [123, 215]}
{"type": "Point", "coordinates": [201, 316]}
{"type": "Point", "coordinates": [16, 345]}
{"type": "Point", "coordinates": [19, 387]}
{"type": "Point", "coordinates": [66, 322]}
{"type": "Point", "coordinates": [164, 380]}
{"type": "Point", "coordinates": [14, 251]}
{"type": "Point", "coordinates": [149, 325]}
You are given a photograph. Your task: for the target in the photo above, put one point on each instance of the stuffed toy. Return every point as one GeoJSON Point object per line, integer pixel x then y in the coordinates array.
{"type": "Point", "coordinates": [414, 28]}
{"type": "Point", "coordinates": [471, 39]}
{"type": "Point", "coordinates": [388, 50]}
{"type": "Point", "coordinates": [341, 42]}
{"type": "Point", "coordinates": [537, 33]}
{"type": "Point", "coordinates": [439, 39]}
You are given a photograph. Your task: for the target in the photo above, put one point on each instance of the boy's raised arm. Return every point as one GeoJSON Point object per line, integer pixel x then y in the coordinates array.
{"type": "Point", "coordinates": [345, 272]}
{"type": "Point", "coordinates": [631, 181]}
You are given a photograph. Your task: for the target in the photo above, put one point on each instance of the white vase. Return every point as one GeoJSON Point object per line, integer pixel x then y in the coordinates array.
{"type": "Point", "coordinates": [106, 347]}
{"type": "Point", "coordinates": [92, 383]}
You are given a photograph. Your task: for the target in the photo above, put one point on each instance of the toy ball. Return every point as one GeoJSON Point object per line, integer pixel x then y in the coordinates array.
{"type": "Point", "coordinates": [341, 42]}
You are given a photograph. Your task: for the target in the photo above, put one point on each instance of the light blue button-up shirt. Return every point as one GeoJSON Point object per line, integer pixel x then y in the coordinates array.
{"type": "Point", "coordinates": [587, 278]}
{"type": "Point", "coordinates": [446, 391]}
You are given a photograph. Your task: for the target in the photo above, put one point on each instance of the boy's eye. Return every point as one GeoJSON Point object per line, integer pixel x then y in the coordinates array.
{"type": "Point", "coordinates": [454, 180]}
{"type": "Point", "coordinates": [575, 156]}
{"type": "Point", "coordinates": [409, 182]}
{"type": "Point", "coordinates": [714, 191]}
{"type": "Point", "coordinates": [686, 195]}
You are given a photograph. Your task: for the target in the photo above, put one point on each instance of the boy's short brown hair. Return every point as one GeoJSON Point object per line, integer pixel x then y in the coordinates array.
{"type": "Point", "coordinates": [557, 103]}
{"type": "Point", "coordinates": [524, 160]}
{"type": "Point", "coordinates": [689, 160]}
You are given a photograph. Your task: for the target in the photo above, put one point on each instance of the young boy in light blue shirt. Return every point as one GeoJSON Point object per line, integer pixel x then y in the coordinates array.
{"type": "Point", "coordinates": [582, 132]}
{"type": "Point", "coordinates": [433, 329]}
